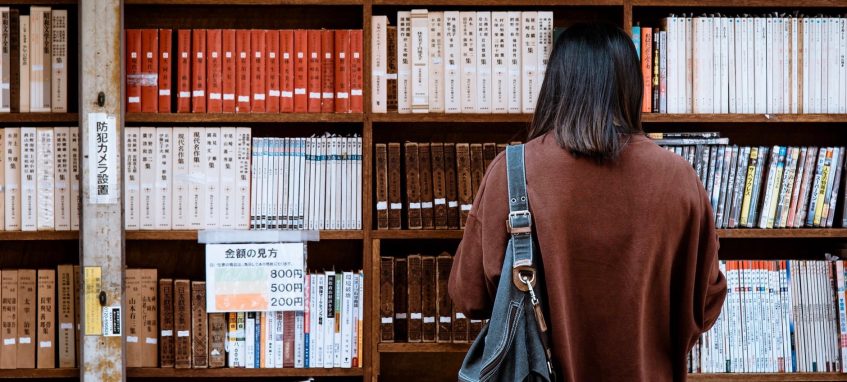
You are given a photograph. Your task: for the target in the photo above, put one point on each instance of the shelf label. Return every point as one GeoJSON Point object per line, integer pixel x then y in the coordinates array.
{"type": "Point", "coordinates": [255, 277]}
{"type": "Point", "coordinates": [93, 312]}
{"type": "Point", "coordinates": [102, 159]}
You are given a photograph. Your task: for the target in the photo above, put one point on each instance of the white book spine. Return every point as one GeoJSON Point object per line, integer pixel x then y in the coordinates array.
{"type": "Point", "coordinates": [76, 201]}
{"type": "Point", "coordinates": [805, 57]}
{"type": "Point", "coordinates": [131, 179]}
{"type": "Point", "coordinates": [514, 66]}
{"type": "Point", "coordinates": [269, 323]}
{"type": "Point", "coordinates": [62, 203]}
{"type": "Point", "coordinates": [468, 31]}
{"type": "Point", "coordinates": [347, 321]}
{"type": "Point", "coordinates": [420, 60]}
{"type": "Point", "coordinates": [329, 320]}
{"type": "Point", "coordinates": [5, 67]}
{"type": "Point", "coordinates": [180, 145]}
{"type": "Point", "coordinates": [795, 68]}
{"type": "Point", "coordinates": [499, 62]}
{"type": "Point", "coordinates": [732, 67]}
{"type": "Point", "coordinates": [770, 53]}
{"type": "Point", "coordinates": [313, 321]}
{"type": "Point", "coordinates": [672, 68]}
{"type": "Point", "coordinates": [24, 60]}
{"type": "Point", "coordinates": [59, 51]}
{"type": "Point", "coordinates": [529, 61]}
{"type": "Point", "coordinates": [229, 172]}
{"type": "Point", "coordinates": [163, 185]}
{"type": "Point", "coordinates": [27, 179]}
{"type": "Point", "coordinates": [279, 337]}
{"type": "Point", "coordinates": [358, 197]}
{"type": "Point", "coordinates": [483, 62]}
{"type": "Point", "coordinates": [339, 313]}
{"type": "Point", "coordinates": [760, 65]}
{"type": "Point", "coordinates": [545, 46]}
{"type": "Point", "coordinates": [254, 175]}
{"type": "Point", "coordinates": [724, 65]}
{"type": "Point", "coordinates": [242, 189]}
{"type": "Point", "coordinates": [436, 62]}
{"type": "Point", "coordinates": [404, 62]}
{"type": "Point", "coordinates": [379, 66]}
{"type": "Point", "coordinates": [452, 60]}
{"type": "Point", "coordinates": [2, 179]}
{"type": "Point", "coordinates": [212, 213]}
{"type": "Point", "coordinates": [45, 181]}
{"type": "Point", "coordinates": [320, 317]}
{"type": "Point", "coordinates": [147, 178]}
{"type": "Point", "coordinates": [40, 46]}
{"type": "Point", "coordinates": [250, 342]}
{"type": "Point", "coordinates": [197, 178]}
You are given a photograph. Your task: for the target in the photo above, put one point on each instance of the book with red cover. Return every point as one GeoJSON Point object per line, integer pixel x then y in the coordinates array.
{"type": "Point", "coordinates": [328, 71]}
{"type": "Point", "coordinates": [313, 86]}
{"type": "Point", "coordinates": [228, 76]}
{"type": "Point", "coordinates": [257, 71]}
{"type": "Point", "coordinates": [301, 42]}
{"type": "Point", "coordinates": [286, 71]}
{"type": "Point", "coordinates": [214, 60]}
{"type": "Point", "coordinates": [198, 71]}
{"type": "Point", "coordinates": [357, 64]}
{"type": "Point", "coordinates": [165, 69]}
{"type": "Point", "coordinates": [242, 67]}
{"type": "Point", "coordinates": [183, 69]}
{"type": "Point", "coordinates": [133, 70]}
{"type": "Point", "coordinates": [342, 71]}
{"type": "Point", "coordinates": [272, 46]}
{"type": "Point", "coordinates": [149, 70]}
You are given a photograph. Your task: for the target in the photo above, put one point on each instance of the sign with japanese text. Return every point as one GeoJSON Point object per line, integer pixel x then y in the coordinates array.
{"type": "Point", "coordinates": [102, 159]}
{"type": "Point", "coordinates": [255, 277]}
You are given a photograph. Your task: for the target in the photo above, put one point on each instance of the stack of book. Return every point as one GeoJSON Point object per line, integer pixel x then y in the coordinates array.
{"type": "Point", "coordinates": [34, 60]}
{"type": "Point", "coordinates": [743, 64]}
{"type": "Point", "coordinates": [243, 71]}
{"type": "Point", "coordinates": [414, 303]}
{"type": "Point", "coordinates": [441, 180]}
{"type": "Point", "coordinates": [459, 62]}
{"type": "Point", "coordinates": [778, 316]}
{"type": "Point", "coordinates": [40, 318]}
{"type": "Point", "coordinates": [174, 330]}
{"type": "Point", "coordinates": [39, 173]}
{"type": "Point", "coordinates": [764, 187]}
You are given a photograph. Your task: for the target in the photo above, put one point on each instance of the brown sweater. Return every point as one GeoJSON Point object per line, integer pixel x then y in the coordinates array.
{"type": "Point", "coordinates": [630, 256]}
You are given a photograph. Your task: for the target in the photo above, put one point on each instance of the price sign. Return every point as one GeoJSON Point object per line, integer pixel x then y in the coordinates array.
{"type": "Point", "coordinates": [255, 277]}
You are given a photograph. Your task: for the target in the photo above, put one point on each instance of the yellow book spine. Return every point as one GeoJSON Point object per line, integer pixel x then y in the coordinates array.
{"type": "Point", "coordinates": [748, 186]}
{"type": "Point", "coordinates": [822, 189]}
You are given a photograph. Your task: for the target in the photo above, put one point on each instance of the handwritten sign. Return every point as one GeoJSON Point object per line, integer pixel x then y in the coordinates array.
{"type": "Point", "coordinates": [255, 277]}
{"type": "Point", "coordinates": [102, 159]}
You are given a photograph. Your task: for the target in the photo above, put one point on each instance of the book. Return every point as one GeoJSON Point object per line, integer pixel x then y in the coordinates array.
{"type": "Point", "coordinates": [413, 185]}
{"type": "Point", "coordinates": [166, 323]}
{"type": "Point", "coordinates": [243, 90]}
{"type": "Point", "coordinates": [9, 318]}
{"type": "Point", "coordinates": [429, 303]}
{"type": "Point", "coordinates": [198, 71]}
{"type": "Point", "coordinates": [426, 187]}
{"type": "Point", "coordinates": [59, 59]}
{"type": "Point", "coordinates": [26, 312]}
{"type": "Point", "coordinates": [386, 293]}
{"type": "Point", "coordinates": [381, 182]}
{"type": "Point", "coordinates": [46, 330]}
{"type": "Point", "coordinates": [444, 306]}
{"type": "Point", "coordinates": [40, 59]}
{"type": "Point", "coordinates": [395, 205]}
{"type": "Point", "coordinates": [148, 71]}
{"type": "Point", "coordinates": [258, 64]}
{"type": "Point", "coordinates": [182, 324]}
{"type": "Point", "coordinates": [214, 71]}
{"type": "Point", "coordinates": [342, 71]}
{"type": "Point", "coordinates": [65, 305]}
{"type": "Point", "coordinates": [165, 70]}
{"type": "Point", "coordinates": [199, 326]}
{"type": "Point", "coordinates": [183, 68]}
{"type": "Point", "coordinates": [25, 55]}
{"type": "Point", "coordinates": [379, 68]}
{"type": "Point", "coordinates": [414, 269]}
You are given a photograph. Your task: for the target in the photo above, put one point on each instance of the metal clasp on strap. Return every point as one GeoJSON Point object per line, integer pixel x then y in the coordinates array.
{"type": "Point", "coordinates": [519, 222]}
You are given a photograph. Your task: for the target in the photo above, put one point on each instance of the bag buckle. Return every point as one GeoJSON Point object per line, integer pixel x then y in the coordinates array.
{"type": "Point", "coordinates": [523, 277]}
{"type": "Point", "coordinates": [519, 222]}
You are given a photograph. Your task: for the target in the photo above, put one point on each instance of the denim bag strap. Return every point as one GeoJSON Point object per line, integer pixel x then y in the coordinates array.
{"type": "Point", "coordinates": [514, 345]}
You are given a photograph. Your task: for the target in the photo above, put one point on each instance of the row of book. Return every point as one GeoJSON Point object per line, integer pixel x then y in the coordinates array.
{"type": "Point", "coordinates": [460, 62]}
{"type": "Point", "coordinates": [778, 316]}
{"type": "Point", "coordinates": [39, 311]}
{"type": "Point", "coordinates": [39, 172]}
{"type": "Point", "coordinates": [415, 305]}
{"type": "Point", "coordinates": [168, 326]}
{"type": "Point", "coordinates": [441, 180]}
{"type": "Point", "coordinates": [764, 187]}
{"type": "Point", "coordinates": [34, 60]}
{"type": "Point", "coordinates": [243, 71]}
{"type": "Point", "coordinates": [743, 64]}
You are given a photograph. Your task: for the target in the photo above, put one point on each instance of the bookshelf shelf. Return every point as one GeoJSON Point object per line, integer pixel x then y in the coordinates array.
{"type": "Point", "coordinates": [13, 118]}
{"type": "Point", "coordinates": [38, 235]}
{"type": "Point", "coordinates": [450, 118]}
{"type": "Point", "coordinates": [763, 377]}
{"type": "Point", "coordinates": [240, 373]}
{"type": "Point", "coordinates": [418, 234]}
{"type": "Point", "coordinates": [423, 348]}
{"type": "Point", "coordinates": [243, 2]}
{"type": "Point", "coordinates": [739, 3]}
{"type": "Point", "coordinates": [511, 3]}
{"type": "Point", "coordinates": [741, 233]}
{"type": "Point", "coordinates": [242, 118]}
{"type": "Point", "coordinates": [743, 118]}
{"type": "Point", "coordinates": [191, 235]}
{"type": "Point", "coordinates": [38, 373]}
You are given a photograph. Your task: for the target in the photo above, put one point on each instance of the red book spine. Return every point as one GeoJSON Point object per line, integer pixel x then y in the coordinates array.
{"type": "Point", "coordinates": [313, 87]}
{"type": "Point", "coordinates": [149, 70]}
{"type": "Point", "coordinates": [165, 70]}
{"type": "Point", "coordinates": [198, 71]}
{"type": "Point", "coordinates": [133, 70]}
{"type": "Point", "coordinates": [242, 67]}
{"type": "Point", "coordinates": [342, 71]}
{"type": "Point", "coordinates": [301, 41]}
{"type": "Point", "coordinates": [286, 70]}
{"type": "Point", "coordinates": [214, 59]}
{"type": "Point", "coordinates": [183, 68]}
{"type": "Point", "coordinates": [228, 70]}
{"type": "Point", "coordinates": [272, 74]}
{"type": "Point", "coordinates": [357, 63]}
{"type": "Point", "coordinates": [257, 71]}
{"type": "Point", "coordinates": [328, 71]}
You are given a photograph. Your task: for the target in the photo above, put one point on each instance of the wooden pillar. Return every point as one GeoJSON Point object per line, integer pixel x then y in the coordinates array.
{"type": "Point", "coordinates": [101, 232]}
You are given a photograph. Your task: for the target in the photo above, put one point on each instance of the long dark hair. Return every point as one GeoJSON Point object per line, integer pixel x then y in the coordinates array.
{"type": "Point", "coordinates": [591, 94]}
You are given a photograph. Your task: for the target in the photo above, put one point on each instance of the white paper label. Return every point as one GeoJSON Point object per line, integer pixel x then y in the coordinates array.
{"type": "Point", "coordinates": [286, 94]}
{"type": "Point", "coordinates": [396, 206]}
{"type": "Point", "coordinates": [149, 54]}
{"type": "Point", "coordinates": [460, 316]}
{"type": "Point", "coordinates": [165, 55]}
{"type": "Point", "coordinates": [45, 344]}
{"type": "Point", "coordinates": [215, 96]}
{"type": "Point", "coordinates": [440, 201]}
{"type": "Point", "coordinates": [228, 54]}
{"type": "Point", "coordinates": [299, 90]}
{"type": "Point", "coordinates": [164, 92]}
{"type": "Point", "coordinates": [214, 54]}
{"type": "Point", "coordinates": [415, 316]}
{"type": "Point", "coordinates": [184, 94]}
{"type": "Point", "coordinates": [25, 340]}
{"type": "Point", "coordinates": [167, 333]}
{"type": "Point", "coordinates": [466, 207]}
{"type": "Point", "coordinates": [387, 320]}
{"type": "Point", "coordinates": [183, 333]}
{"type": "Point", "coordinates": [286, 56]}
{"type": "Point", "coordinates": [328, 95]}
{"type": "Point", "coordinates": [111, 321]}
{"type": "Point", "coordinates": [243, 98]}
{"type": "Point", "coordinates": [273, 93]}
{"type": "Point", "coordinates": [9, 341]}
{"type": "Point", "coordinates": [381, 206]}
{"type": "Point", "coordinates": [426, 205]}
{"type": "Point", "coordinates": [198, 93]}
{"type": "Point", "coordinates": [102, 159]}
{"type": "Point", "coordinates": [259, 96]}
{"type": "Point", "coordinates": [132, 339]}
{"type": "Point", "coordinates": [452, 204]}
{"type": "Point", "coordinates": [429, 320]}
{"type": "Point", "coordinates": [133, 100]}
{"type": "Point", "coordinates": [66, 326]}
{"type": "Point", "coordinates": [415, 206]}
{"type": "Point", "coordinates": [341, 95]}
{"type": "Point", "coordinates": [445, 319]}
{"type": "Point", "coordinates": [200, 55]}
{"type": "Point", "coordinates": [151, 341]}
{"type": "Point", "coordinates": [229, 97]}
{"type": "Point", "coordinates": [314, 95]}
{"type": "Point", "coordinates": [356, 92]}
{"type": "Point", "coordinates": [272, 54]}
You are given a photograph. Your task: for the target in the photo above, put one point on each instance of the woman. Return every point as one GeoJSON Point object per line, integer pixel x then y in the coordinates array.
{"type": "Point", "coordinates": [624, 227]}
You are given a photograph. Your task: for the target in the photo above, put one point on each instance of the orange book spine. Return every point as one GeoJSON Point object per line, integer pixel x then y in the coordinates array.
{"type": "Point", "coordinates": [647, 68]}
{"type": "Point", "coordinates": [183, 103]}
{"type": "Point", "coordinates": [272, 71]}
{"type": "Point", "coordinates": [198, 71]}
{"type": "Point", "coordinates": [133, 70]}
{"type": "Point", "coordinates": [328, 71]}
{"type": "Point", "coordinates": [301, 42]}
{"type": "Point", "coordinates": [165, 70]}
{"type": "Point", "coordinates": [257, 70]}
{"type": "Point", "coordinates": [286, 70]}
{"type": "Point", "coordinates": [228, 75]}
{"type": "Point", "coordinates": [149, 70]}
{"type": "Point", "coordinates": [342, 71]}
{"type": "Point", "coordinates": [242, 64]}
{"type": "Point", "coordinates": [313, 87]}
{"type": "Point", "coordinates": [214, 82]}
{"type": "Point", "coordinates": [357, 63]}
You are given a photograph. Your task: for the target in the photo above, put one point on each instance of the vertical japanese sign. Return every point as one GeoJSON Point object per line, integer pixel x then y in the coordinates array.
{"type": "Point", "coordinates": [102, 159]}
{"type": "Point", "coordinates": [255, 277]}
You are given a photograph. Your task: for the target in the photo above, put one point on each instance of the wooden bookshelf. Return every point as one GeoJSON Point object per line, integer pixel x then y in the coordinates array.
{"type": "Point", "coordinates": [240, 373]}
{"type": "Point", "coordinates": [190, 235]}
{"type": "Point", "coordinates": [12, 119]}
{"type": "Point", "coordinates": [423, 348]}
{"type": "Point", "coordinates": [38, 373]}
{"type": "Point", "coordinates": [765, 377]}
{"type": "Point", "coordinates": [248, 118]}
{"type": "Point", "coordinates": [743, 118]}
